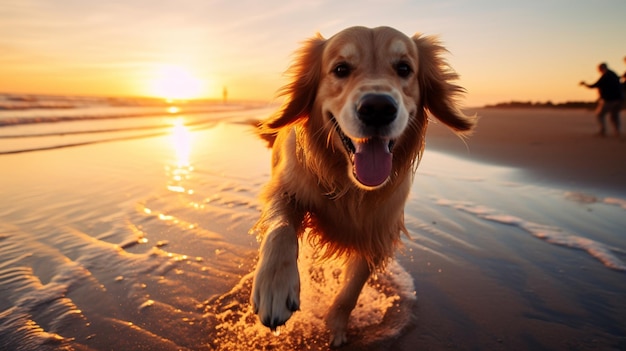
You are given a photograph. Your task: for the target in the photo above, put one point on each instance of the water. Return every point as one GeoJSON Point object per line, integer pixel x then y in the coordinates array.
{"type": "Point", "coordinates": [41, 122]}
{"type": "Point", "coordinates": [138, 239]}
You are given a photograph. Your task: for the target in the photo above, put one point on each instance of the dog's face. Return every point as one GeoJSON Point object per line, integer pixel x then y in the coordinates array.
{"type": "Point", "coordinates": [364, 94]}
{"type": "Point", "coordinates": [368, 91]}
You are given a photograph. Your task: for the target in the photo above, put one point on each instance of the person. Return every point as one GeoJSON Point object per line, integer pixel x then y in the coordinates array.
{"type": "Point", "coordinates": [624, 79]}
{"type": "Point", "coordinates": [611, 96]}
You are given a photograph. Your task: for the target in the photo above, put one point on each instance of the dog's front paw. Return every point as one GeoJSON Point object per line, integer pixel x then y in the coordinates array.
{"type": "Point", "coordinates": [338, 338]}
{"type": "Point", "coordinates": [276, 292]}
{"type": "Point", "coordinates": [337, 324]}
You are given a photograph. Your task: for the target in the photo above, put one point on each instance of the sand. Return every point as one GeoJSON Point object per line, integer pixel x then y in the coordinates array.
{"type": "Point", "coordinates": [554, 145]}
{"type": "Point", "coordinates": [516, 242]}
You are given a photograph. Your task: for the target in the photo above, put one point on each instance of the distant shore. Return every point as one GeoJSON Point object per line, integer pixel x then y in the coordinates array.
{"type": "Point", "coordinates": [588, 105]}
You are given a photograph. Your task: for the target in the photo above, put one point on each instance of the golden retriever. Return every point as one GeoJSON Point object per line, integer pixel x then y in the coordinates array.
{"type": "Point", "coordinates": [345, 146]}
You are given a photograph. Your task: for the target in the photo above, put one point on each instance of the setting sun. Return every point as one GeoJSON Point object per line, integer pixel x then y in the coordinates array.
{"type": "Point", "coordinates": [176, 82]}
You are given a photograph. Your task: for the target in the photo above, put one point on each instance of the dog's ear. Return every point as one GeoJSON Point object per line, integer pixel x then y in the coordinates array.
{"type": "Point", "coordinates": [300, 93]}
{"type": "Point", "coordinates": [438, 93]}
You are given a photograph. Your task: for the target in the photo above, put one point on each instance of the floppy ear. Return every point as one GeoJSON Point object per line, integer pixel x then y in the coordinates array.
{"type": "Point", "coordinates": [300, 93]}
{"type": "Point", "coordinates": [438, 92]}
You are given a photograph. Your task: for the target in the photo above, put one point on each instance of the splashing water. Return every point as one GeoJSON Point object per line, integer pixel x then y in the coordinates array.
{"type": "Point", "coordinates": [382, 311]}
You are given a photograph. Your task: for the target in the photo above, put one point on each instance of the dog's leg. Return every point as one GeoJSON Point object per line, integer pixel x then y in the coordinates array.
{"type": "Point", "coordinates": [357, 273]}
{"type": "Point", "coordinates": [276, 286]}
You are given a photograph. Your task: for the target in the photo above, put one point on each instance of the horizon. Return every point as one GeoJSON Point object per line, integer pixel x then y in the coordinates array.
{"type": "Point", "coordinates": [277, 100]}
{"type": "Point", "coordinates": [535, 51]}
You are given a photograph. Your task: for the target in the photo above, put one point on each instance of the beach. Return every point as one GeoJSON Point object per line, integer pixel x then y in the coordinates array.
{"type": "Point", "coordinates": [549, 145]}
{"type": "Point", "coordinates": [133, 234]}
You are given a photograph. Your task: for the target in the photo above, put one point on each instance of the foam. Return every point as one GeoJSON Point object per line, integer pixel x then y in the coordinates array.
{"type": "Point", "coordinates": [616, 202]}
{"type": "Point", "coordinates": [381, 313]}
{"type": "Point", "coordinates": [548, 233]}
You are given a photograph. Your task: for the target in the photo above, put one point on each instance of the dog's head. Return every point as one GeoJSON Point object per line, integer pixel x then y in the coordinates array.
{"type": "Point", "coordinates": [367, 90]}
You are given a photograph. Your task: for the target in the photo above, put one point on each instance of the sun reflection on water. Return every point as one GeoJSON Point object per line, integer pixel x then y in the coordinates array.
{"type": "Point", "coordinates": [182, 140]}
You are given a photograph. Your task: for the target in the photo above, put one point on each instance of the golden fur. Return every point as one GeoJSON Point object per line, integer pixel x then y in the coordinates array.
{"type": "Point", "coordinates": [313, 185]}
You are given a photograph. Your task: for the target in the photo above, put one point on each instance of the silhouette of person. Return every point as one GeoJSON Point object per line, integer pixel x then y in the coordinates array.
{"type": "Point", "coordinates": [611, 96]}
{"type": "Point", "coordinates": [624, 78]}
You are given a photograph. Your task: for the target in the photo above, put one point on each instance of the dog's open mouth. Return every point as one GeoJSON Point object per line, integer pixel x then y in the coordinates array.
{"type": "Point", "coordinates": [371, 157]}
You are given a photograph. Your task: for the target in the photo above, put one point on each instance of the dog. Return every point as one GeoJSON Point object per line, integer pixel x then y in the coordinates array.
{"type": "Point", "coordinates": [345, 147]}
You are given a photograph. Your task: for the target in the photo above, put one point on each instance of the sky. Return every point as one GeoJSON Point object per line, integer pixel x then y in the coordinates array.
{"type": "Point", "coordinates": [503, 50]}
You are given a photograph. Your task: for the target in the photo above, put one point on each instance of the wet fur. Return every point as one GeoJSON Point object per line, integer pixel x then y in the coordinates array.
{"type": "Point", "coordinates": [311, 187]}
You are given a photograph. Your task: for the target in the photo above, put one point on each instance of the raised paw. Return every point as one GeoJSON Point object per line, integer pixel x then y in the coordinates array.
{"type": "Point", "coordinates": [276, 292]}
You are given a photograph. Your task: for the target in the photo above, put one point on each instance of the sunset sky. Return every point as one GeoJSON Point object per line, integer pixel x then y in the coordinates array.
{"type": "Point", "coordinates": [503, 50]}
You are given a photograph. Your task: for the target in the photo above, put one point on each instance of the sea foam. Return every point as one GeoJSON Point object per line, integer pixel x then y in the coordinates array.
{"type": "Point", "coordinates": [382, 311]}
{"type": "Point", "coordinates": [551, 234]}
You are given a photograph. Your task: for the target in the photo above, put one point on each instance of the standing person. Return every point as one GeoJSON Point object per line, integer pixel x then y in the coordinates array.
{"type": "Point", "coordinates": [611, 96]}
{"type": "Point", "coordinates": [624, 79]}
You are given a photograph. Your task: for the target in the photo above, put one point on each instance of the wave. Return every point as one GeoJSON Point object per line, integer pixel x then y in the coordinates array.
{"type": "Point", "coordinates": [551, 234]}
{"type": "Point", "coordinates": [158, 130]}
{"type": "Point", "coordinates": [50, 130]}
{"type": "Point", "coordinates": [95, 114]}
{"type": "Point", "coordinates": [90, 142]}
{"type": "Point", "coordinates": [20, 102]}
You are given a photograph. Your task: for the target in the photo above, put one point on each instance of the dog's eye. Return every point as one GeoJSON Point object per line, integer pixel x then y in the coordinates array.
{"type": "Point", "coordinates": [342, 70]}
{"type": "Point", "coordinates": [403, 69]}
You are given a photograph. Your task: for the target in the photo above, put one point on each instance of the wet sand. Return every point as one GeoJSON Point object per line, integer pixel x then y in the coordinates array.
{"type": "Point", "coordinates": [550, 145]}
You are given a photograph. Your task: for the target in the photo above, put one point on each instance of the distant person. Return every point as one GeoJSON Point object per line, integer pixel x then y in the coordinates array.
{"type": "Point", "coordinates": [624, 79]}
{"type": "Point", "coordinates": [611, 97]}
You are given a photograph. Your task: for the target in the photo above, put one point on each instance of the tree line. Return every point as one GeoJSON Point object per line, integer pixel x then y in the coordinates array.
{"type": "Point", "coordinates": [548, 104]}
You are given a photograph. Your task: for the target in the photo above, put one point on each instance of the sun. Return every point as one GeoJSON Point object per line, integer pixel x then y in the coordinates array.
{"type": "Point", "coordinates": [175, 82]}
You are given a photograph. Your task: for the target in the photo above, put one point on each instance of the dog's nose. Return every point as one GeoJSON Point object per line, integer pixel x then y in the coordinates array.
{"type": "Point", "coordinates": [377, 110]}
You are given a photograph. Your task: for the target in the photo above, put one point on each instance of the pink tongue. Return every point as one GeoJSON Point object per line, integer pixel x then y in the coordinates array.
{"type": "Point", "coordinates": [372, 161]}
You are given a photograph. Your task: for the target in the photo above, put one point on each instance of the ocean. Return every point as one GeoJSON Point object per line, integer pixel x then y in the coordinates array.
{"type": "Point", "coordinates": [36, 122]}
